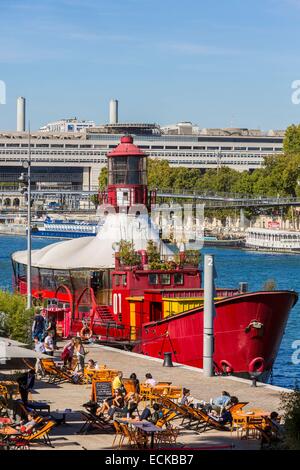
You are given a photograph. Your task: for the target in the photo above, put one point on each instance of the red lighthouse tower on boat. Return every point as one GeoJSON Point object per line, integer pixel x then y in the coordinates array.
{"type": "Point", "coordinates": [127, 176]}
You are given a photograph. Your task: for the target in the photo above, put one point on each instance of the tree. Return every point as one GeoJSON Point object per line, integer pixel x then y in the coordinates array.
{"type": "Point", "coordinates": [290, 404]}
{"type": "Point", "coordinates": [16, 318]}
{"type": "Point", "coordinates": [291, 141]}
{"type": "Point", "coordinates": [103, 178]}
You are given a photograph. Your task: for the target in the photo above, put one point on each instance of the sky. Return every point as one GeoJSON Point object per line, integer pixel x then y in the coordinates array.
{"type": "Point", "coordinates": [217, 63]}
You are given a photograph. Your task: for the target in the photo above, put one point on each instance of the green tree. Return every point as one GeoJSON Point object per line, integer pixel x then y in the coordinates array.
{"type": "Point", "coordinates": [103, 178]}
{"type": "Point", "coordinates": [291, 141]}
{"type": "Point", "coordinates": [290, 404]}
{"type": "Point", "coordinates": [16, 318]}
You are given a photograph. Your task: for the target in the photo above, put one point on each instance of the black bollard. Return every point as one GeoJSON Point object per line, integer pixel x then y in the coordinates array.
{"type": "Point", "coordinates": [168, 360]}
{"type": "Point", "coordinates": [254, 376]}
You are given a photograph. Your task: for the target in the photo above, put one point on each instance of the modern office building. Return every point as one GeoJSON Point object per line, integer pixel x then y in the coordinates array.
{"type": "Point", "coordinates": [73, 159]}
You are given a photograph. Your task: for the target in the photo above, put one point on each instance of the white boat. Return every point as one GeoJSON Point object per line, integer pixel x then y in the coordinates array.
{"type": "Point", "coordinates": [273, 240]}
{"type": "Point", "coordinates": [55, 228]}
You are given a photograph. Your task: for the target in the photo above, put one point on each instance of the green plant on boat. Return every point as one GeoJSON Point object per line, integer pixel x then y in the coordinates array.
{"type": "Point", "coordinates": [128, 255]}
{"type": "Point", "coordinates": [192, 257]}
{"type": "Point", "coordinates": [269, 285]}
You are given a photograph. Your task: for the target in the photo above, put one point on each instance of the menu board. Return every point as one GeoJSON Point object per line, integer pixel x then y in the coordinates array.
{"type": "Point", "coordinates": [101, 391]}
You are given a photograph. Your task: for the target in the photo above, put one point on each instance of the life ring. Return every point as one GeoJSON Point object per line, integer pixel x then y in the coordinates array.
{"type": "Point", "coordinates": [85, 333]}
{"type": "Point", "coordinates": [225, 366]}
{"type": "Point", "coordinates": [253, 365]}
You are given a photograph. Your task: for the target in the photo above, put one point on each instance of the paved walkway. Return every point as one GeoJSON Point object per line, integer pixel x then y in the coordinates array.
{"type": "Point", "coordinates": [73, 396]}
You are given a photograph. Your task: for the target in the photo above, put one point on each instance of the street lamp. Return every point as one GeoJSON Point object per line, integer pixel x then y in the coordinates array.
{"type": "Point", "coordinates": [25, 180]}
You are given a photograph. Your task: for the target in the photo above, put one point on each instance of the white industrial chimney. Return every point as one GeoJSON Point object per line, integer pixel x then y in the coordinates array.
{"type": "Point", "coordinates": [113, 112]}
{"type": "Point", "coordinates": [21, 102]}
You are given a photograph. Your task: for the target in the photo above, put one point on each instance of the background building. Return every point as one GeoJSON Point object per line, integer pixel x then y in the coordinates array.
{"type": "Point", "coordinates": [67, 125]}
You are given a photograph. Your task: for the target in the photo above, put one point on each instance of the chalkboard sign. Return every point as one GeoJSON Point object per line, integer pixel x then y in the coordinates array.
{"type": "Point", "coordinates": [101, 391]}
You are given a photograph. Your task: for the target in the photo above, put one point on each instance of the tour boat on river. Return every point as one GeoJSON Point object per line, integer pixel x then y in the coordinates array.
{"type": "Point", "coordinates": [125, 287]}
{"type": "Point", "coordinates": [56, 228]}
{"type": "Point", "coordinates": [265, 239]}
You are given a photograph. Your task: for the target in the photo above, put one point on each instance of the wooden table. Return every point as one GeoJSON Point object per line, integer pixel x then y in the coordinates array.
{"type": "Point", "coordinates": [144, 426]}
{"type": "Point", "coordinates": [247, 416]}
{"type": "Point", "coordinates": [12, 387]}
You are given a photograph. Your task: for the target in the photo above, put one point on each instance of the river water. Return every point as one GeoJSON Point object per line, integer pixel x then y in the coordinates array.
{"type": "Point", "coordinates": [233, 266]}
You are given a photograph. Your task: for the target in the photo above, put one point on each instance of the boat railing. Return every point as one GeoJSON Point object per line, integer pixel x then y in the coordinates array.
{"type": "Point", "coordinates": [192, 293]}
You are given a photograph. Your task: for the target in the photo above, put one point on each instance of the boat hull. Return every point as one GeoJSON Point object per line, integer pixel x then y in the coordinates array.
{"type": "Point", "coordinates": [240, 347]}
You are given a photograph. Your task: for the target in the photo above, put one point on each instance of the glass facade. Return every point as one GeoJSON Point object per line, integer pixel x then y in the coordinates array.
{"type": "Point", "coordinates": [75, 280]}
{"type": "Point", "coordinates": [127, 170]}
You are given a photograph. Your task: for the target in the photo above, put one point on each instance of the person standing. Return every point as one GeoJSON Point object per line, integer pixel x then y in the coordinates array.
{"type": "Point", "coordinates": [79, 353]}
{"type": "Point", "coordinates": [51, 326]}
{"type": "Point", "coordinates": [38, 326]}
{"type": "Point", "coordinates": [39, 348]}
{"type": "Point", "coordinates": [68, 352]}
{"type": "Point", "coordinates": [48, 344]}
{"type": "Point", "coordinates": [26, 383]}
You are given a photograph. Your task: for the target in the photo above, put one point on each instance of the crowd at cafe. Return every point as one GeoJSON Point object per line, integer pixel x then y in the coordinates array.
{"type": "Point", "coordinates": [138, 412]}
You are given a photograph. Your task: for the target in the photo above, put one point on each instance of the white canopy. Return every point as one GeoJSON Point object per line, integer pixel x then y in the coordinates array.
{"type": "Point", "coordinates": [96, 252]}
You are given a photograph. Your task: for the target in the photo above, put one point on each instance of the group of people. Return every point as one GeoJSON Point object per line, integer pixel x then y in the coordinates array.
{"type": "Point", "coordinates": [75, 351]}
{"type": "Point", "coordinates": [123, 403]}
{"type": "Point", "coordinates": [44, 333]}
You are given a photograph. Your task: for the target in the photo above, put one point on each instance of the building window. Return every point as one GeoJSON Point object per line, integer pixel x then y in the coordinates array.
{"type": "Point", "coordinates": [153, 279]}
{"type": "Point", "coordinates": [165, 279]}
{"type": "Point", "coordinates": [178, 279]}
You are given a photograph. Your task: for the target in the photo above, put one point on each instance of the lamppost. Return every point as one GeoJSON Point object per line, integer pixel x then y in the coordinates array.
{"type": "Point", "coordinates": [25, 180]}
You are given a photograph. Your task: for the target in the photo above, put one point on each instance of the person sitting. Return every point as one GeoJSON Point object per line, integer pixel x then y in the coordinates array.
{"type": "Point", "coordinates": [185, 400]}
{"type": "Point", "coordinates": [146, 414]}
{"type": "Point", "coordinates": [277, 427]}
{"type": "Point", "coordinates": [153, 416]}
{"type": "Point", "coordinates": [233, 401]}
{"type": "Point", "coordinates": [221, 402]}
{"type": "Point", "coordinates": [117, 404]}
{"type": "Point", "coordinates": [29, 425]}
{"type": "Point", "coordinates": [132, 400]}
{"type": "Point", "coordinates": [118, 382]}
{"type": "Point", "coordinates": [136, 381]}
{"type": "Point", "coordinates": [91, 365]}
{"type": "Point", "coordinates": [150, 380]}
{"type": "Point", "coordinates": [157, 413]}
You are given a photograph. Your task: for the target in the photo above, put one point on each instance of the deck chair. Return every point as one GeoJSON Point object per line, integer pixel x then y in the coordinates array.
{"type": "Point", "coordinates": [205, 421]}
{"type": "Point", "coordinates": [181, 411]}
{"type": "Point", "coordinates": [93, 422]}
{"type": "Point", "coordinates": [167, 418]}
{"type": "Point", "coordinates": [237, 406]}
{"type": "Point", "coordinates": [40, 435]}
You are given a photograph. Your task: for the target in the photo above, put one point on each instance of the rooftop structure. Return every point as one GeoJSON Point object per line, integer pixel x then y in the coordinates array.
{"type": "Point", "coordinates": [67, 125]}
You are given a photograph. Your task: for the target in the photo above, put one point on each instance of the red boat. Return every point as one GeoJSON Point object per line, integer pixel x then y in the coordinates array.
{"type": "Point", "coordinates": [127, 288]}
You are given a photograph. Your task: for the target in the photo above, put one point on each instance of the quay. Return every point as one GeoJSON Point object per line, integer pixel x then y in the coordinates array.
{"type": "Point", "coordinates": [71, 396]}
